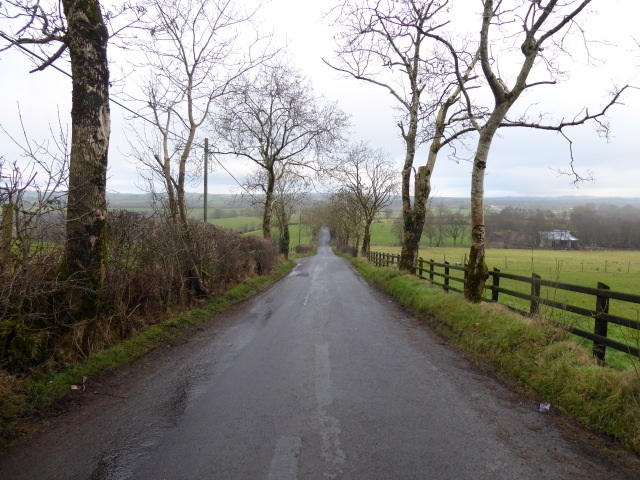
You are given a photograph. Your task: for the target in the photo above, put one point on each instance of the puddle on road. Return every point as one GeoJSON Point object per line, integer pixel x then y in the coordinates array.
{"type": "Point", "coordinates": [121, 461]}
{"type": "Point", "coordinates": [134, 442]}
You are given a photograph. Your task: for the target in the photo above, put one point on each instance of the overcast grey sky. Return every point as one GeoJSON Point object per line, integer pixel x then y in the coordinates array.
{"type": "Point", "coordinates": [522, 162]}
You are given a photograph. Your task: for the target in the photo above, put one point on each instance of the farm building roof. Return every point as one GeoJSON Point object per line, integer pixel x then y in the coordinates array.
{"type": "Point", "coordinates": [562, 235]}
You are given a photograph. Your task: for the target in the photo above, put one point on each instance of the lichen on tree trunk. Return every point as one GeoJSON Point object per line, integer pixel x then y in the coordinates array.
{"type": "Point", "coordinates": [84, 264]}
{"type": "Point", "coordinates": [477, 270]}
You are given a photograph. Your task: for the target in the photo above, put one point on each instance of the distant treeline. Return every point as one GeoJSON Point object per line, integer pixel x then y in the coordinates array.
{"type": "Point", "coordinates": [596, 226]}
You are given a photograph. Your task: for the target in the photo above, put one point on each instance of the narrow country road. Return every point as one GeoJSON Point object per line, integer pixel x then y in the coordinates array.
{"type": "Point", "coordinates": [320, 377]}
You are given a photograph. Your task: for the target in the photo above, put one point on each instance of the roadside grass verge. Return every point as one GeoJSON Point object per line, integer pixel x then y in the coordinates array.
{"type": "Point", "coordinates": [620, 270]}
{"type": "Point", "coordinates": [537, 355]}
{"type": "Point", "coordinates": [19, 398]}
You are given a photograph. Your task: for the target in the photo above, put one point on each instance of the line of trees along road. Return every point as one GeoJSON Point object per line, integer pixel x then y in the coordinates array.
{"type": "Point", "coordinates": [203, 69]}
{"type": "Point", "coordinates": [409, 48]}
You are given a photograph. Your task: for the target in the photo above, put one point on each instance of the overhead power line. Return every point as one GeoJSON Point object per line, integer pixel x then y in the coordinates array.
{"type": "Point", "coordinates": [116, 102]}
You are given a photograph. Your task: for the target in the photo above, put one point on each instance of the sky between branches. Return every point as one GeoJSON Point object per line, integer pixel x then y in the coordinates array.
{"type": "Point", "coordinates": [522, 162]}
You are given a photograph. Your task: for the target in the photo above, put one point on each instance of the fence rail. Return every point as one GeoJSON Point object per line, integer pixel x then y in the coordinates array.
{"type": "Point", "coordinates": [443, 274]}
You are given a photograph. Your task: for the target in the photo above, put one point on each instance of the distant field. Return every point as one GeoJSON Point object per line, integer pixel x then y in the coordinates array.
{"type": "Point", "coordinates": [382, 234]}
{"type": "Point", "coordinates": [547, 263]}
{"type": "Point", "coordinates": [620, 270]}
{"type": "Point", "coordinates": [242, 224]}
{"type": "Point", "coordinates": [253, 226]}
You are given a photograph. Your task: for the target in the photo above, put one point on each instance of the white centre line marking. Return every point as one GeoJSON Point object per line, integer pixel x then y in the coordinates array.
{"type": "Point", "coordinates": [284, 464]}
{"type": "Point", "coordinates": [330, 431]}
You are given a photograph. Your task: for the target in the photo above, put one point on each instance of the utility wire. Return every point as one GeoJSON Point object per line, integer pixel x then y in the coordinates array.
{"type": "Point", "coordinates": [33, 54]}
{"type": "Point", "coordinates": [29, 52]}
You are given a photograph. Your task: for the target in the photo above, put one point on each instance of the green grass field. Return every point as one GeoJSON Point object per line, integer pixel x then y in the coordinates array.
{"type": "Point", "coordinates": [241, 224]}
{"type": "Point", "coordinates": [382, 233]}
{"type": "Point", "coordinates": [620, 270]}
{"type": "Point", "coordinates": [253, 226]}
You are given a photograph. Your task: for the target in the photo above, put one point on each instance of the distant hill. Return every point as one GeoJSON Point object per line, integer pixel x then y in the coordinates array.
{"type": "Point", "coordinates": [141, 202]}
{"type": "Point", "coordinates": [125, 200]}
{"type": "Point", "coordinates": [539, 203]}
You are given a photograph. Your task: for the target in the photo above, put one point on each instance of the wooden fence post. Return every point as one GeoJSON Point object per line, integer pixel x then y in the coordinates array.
{"type": "Point", "coordinates": [431, 267]}
{"type": "Point", "coordinates": [446, 278]}
{"type": "Point", "coordinates": [464, 276]}
{"type": "Point", "coordinates": [535, 295]}
{"type": "Point", "coordinates": [420, 268]}
{"type": "Point", "coordinates": [496, 284]}
{"type": "Point", "coordinates": [601, 326]}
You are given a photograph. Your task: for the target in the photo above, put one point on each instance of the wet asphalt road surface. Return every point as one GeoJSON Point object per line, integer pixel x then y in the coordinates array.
{"type": "Point", "coordinates": [320, 377]}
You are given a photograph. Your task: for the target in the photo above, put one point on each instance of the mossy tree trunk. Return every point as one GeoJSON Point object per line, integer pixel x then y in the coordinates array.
{"type": "Point", "coordinates": [366, 237]}
{"type": "Point", "coordinates": [85, 257]}
{"type": "Point", "coordinates": [285, 240]}
{"type": "Point", "coordinates": [269, 198]}
{"type": "Point", "coordinates": [411, 221]}
{"type": "Point", "coordinates": [414, 219]}
{"type": "Point", "coordinates": [477, 270]}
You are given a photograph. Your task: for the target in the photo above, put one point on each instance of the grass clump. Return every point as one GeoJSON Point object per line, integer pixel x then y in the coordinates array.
{"type": "Point", "coordinates": [534, 353]}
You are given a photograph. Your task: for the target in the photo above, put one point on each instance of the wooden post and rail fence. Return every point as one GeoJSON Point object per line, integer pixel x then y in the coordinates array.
{"type": "Point", "coordinates": [443, 274]}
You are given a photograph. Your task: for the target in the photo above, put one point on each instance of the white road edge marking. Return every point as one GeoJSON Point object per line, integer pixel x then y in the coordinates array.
{"type": "Point", "coordinates": [284, 464]}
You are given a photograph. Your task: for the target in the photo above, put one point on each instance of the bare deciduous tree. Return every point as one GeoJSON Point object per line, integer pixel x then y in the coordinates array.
{"type": "Point", "coordinates": [540, 30]}
{"type": "Point", "coordinates": [457, 225]}
{"type": "Point", "coordinates": [345, 219]}
{"type": "Point", "coordinates": [396, 46]}
{"type": "Point", "coordinates": [290, 193]}
{"type": "Point", "coordinates": [194, 53]}
{"type": "Point", "coordinates": [79, 29]}
{"type": "Point", "coordinates": [274, 120]}
{"type": "Point", "coordinates": [370, 178]}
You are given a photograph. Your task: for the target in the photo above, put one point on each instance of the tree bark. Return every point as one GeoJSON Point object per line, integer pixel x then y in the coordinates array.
{"type": "Point", "coordinates": [285, 240]}
{"type": "Point", "coordinates": [414, 219]}
{"type": "Point", "coordinates": [408, 254]}
{"type": "Point", "coordinates": [366, 238]}
{"type": "Point", "coordinates": [85, 259]}
{"type": "Point", "coordinates": [477, 270]}
{"type": "Point", "coordinates": [268, 204]}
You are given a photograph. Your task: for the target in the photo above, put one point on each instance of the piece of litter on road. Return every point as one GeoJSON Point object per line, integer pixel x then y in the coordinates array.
{"type": "Point", "coordinates": [544, 407]}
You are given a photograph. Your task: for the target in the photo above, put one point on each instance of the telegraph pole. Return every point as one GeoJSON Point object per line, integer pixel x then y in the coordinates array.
{"type": "Point", "coordinates": [206, 177]}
